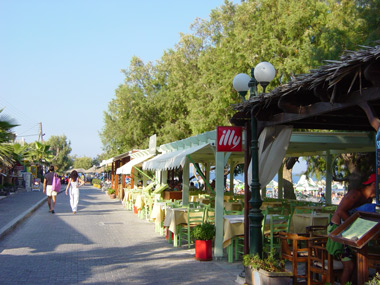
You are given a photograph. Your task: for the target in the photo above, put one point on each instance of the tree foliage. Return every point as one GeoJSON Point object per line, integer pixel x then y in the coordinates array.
{"type": "Point", "coordinates": [189, 90]}
{"type": "Point", "coordinates": [83, 162]}
{"type": "Point", "coordinates": [6, 136]}
{"type": "Point", "coordinates": [61, 149]}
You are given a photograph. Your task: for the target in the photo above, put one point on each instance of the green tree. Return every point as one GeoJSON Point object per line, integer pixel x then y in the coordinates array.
{"type": "Point", "coordinates": [83, 162]}
{"type": "Point", "coordinates": [6, 136]}
{"type": "Point", "coordinates": [189, 90]}
{"type": "Point", "coordinates": [61, 149]}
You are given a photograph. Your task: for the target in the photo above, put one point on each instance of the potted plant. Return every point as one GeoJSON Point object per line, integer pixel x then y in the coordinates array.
{"type": "Point", "coordinates": [203, 235]}
{"type": "Point", "coordinates": [268, 270]}
{"type": "Point", "coordinates": [111, 193]}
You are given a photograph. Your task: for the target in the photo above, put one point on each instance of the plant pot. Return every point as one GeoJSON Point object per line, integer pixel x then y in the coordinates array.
{"type": "Point", "coordinates": [262, 277]}
{"type": "Point", "coordinates": [203, 250]}
{"type": "Point", "coordinates": [167, 234]}
{"type": "Point", "coordinates": [112, 196]}
{"type": "Point", "coordinates": [252, 277]}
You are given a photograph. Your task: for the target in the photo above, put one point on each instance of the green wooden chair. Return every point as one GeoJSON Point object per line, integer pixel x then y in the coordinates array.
{"type": "Point", "coordinates": [148, 206]}
{"type": "Point", "coordinates": [233, 212]}
{"type": "Point", "coordinates": [195, 216]}
{"type": "Point", "coordinates": [303, 210]}
{"type": "Point", "coordinates": [274, 210]}
{"type": "Point", "coordinates": [277, 224]}
{"type": "Point", "coordinates": [209, 215]}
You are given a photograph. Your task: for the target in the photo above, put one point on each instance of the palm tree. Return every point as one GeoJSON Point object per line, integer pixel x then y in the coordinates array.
{"type": "Point", "coordinates": [40, 154]}
{"type": "Point", "coordinates": [6, 136]}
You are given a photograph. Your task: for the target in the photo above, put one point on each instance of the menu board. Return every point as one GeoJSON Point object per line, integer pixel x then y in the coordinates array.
{"type": "Point", "coordinates": [358, 229]}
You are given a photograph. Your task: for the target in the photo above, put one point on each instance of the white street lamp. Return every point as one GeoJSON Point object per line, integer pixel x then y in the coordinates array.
{"type": "Point", "coordinates": [263, 74]}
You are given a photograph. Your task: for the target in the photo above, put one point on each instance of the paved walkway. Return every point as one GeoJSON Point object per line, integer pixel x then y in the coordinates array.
{"type": "Point", "coordinates": [18, 206]}
{"type": "Point", "coordinates": [103, 243]}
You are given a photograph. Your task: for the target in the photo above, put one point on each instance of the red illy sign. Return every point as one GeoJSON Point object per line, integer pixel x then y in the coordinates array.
{"type": "Point", "coordinates": [229, 139]}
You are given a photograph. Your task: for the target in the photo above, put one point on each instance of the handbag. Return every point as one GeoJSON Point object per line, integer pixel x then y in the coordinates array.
{"type": "Point", "coordinates": [56, 185]}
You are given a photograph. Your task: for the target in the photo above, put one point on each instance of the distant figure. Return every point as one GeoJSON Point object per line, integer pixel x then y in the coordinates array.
{"type": "Point", "coordinates": [357, 196]}
{"type": "Point", "coordinates": [192, 186]}
{"type": "Point", "coordinates": [47, 187]}
{"type": "Point", "coordinates": [74, 183]}
{"type": "Point", "coordinates": [322, 199]}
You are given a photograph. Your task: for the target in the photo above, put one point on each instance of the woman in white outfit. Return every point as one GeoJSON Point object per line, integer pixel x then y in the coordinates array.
{"type": "Point", "coordinates": [74, 183]}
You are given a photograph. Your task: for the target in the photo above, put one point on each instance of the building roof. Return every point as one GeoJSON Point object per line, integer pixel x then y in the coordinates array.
{"type": "Point", "coordinates": [326, 98]}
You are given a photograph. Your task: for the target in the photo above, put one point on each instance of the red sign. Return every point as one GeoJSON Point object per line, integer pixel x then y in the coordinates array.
{"type": "Point", "coordinates": [229, 139]}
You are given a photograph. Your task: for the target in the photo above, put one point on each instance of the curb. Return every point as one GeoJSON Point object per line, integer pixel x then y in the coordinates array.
{"type": "Point", "coordinates": [20, 218]}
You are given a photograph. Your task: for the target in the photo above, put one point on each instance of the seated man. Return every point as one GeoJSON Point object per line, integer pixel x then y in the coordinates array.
{"type": "Point", "coordinates": [355, 197]}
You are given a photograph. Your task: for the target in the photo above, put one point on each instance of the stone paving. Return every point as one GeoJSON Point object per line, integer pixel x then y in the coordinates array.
{"type": "Point", "coordinates": [18, 206]}
{"type": "Point", "coordinates": [102, 244]}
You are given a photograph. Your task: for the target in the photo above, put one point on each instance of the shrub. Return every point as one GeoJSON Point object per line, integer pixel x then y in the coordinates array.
{"type": "Point", "coordinates": [270, 263]}
{"type": "Point", "coordinates": [111, 191]}
{"type": "Point", "coordinates": [203, 232]}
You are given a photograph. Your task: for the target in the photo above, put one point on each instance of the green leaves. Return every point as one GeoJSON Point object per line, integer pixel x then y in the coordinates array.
{"type": "Point", "coordinates": [189, 90]}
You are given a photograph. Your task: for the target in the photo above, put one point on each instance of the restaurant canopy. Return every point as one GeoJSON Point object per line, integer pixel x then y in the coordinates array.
{"type": "Point", "coordinates": [175, 159]}
{"type": "Point", "coordinates": [342, 95]}
{"type": "Point", "coordinates": [200, 149]}
{"type": "Point", "coordinates": [138, 159]}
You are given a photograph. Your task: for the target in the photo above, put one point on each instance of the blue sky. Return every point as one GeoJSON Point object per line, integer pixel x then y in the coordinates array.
{"type": "Point", "coordinates": [60, 61]}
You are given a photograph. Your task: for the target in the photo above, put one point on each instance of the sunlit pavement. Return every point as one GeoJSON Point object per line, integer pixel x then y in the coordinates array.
{"type": "Point", "coordinates": [102, 243]}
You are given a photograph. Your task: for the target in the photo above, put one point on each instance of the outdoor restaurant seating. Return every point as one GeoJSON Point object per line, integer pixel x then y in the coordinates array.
{"type": "Point", "coordinates": [274, 210]}
{"type": "Point", "coordinates": [316, 231]}
{"type": "Point", "coordinates": [271, 233]}
{"type": "Point", "coordinates": [294, 249]}
{"type": "Point", "coordinates": [322, 267]}
{"type": "Point", "coordinates": [209, 214]}
{"type": "Point", "coordinates": [195, 216]}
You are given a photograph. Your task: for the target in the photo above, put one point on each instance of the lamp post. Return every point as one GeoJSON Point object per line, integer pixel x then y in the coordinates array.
{"type": "Point", "coordinates": [263, 73]}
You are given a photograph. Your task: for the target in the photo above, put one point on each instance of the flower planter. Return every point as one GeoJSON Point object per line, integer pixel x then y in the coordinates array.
{"type": "Point", "coordinates": [112, 196]}
{"type": "Point", "coordinates": [167, 234]}
{"type": "Point", "coordinates": [262, 277]}
{"type": "Point", "coordinates": [203, 250]}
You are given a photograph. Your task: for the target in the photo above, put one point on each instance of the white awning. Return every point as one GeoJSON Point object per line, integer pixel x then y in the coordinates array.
{"type": "Point", "coordinates": [106, 162]}
{"type": "Point", "coordinates": [177, 158]}
{"type": "Point", "coordinates": [127, 168]}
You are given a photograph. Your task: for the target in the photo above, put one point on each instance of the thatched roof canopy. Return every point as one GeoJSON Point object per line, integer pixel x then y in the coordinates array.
{"type": "Point", "coordinates": [327, 98]}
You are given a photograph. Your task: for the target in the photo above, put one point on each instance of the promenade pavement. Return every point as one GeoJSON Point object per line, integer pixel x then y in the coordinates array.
{"type": "Point", "coordinates": [102, 244]}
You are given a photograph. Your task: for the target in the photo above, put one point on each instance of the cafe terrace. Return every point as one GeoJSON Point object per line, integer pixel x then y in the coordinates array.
{"type": "Point", "coordinates": [343, 96]}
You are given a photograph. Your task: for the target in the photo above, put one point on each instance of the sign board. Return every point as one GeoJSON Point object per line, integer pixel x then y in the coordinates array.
{"type": "Point", "coordinates": [229, 139]}
{"type": "Point", "coordinates": [153, 143]}
{"type": "Point", "coordinates": [358, 229]}
{"type": "Point", "coordinates": [36, 186]}
{"type": "Point", "coordinates": [33, 169]}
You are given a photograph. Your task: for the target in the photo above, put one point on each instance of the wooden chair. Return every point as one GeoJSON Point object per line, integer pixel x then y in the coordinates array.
{"type": "Point", "coordinates": [321, 266]}
{"type": "Point", "coordinates": [148, 206]}
{"type": "Point", "coordinates": [303, 210]}
{"type": "Point", "coordinates": [274, 210]}
{"type": "Point", "coordinates": [294, 248]}
{"type": "Point", "coordinates": [209, 215]}
{"type": "Point", "coordinates": [233, 212]}
{"type": "Point", "coordinates": [271, 233]}
{"type": "Point", "coordinates": [195, 216]}
{"type": "Point", "coordinates": [316, 231]}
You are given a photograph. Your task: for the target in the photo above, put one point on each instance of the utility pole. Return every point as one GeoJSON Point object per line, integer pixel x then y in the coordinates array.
{"type": "Point", "coordinates": [41, 135]}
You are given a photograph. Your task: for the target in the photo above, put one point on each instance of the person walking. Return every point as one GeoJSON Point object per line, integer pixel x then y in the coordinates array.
{"type": "Point", "coordinates": [74, 183]}
{"type": "Point", "coordinates": [47, 187]}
